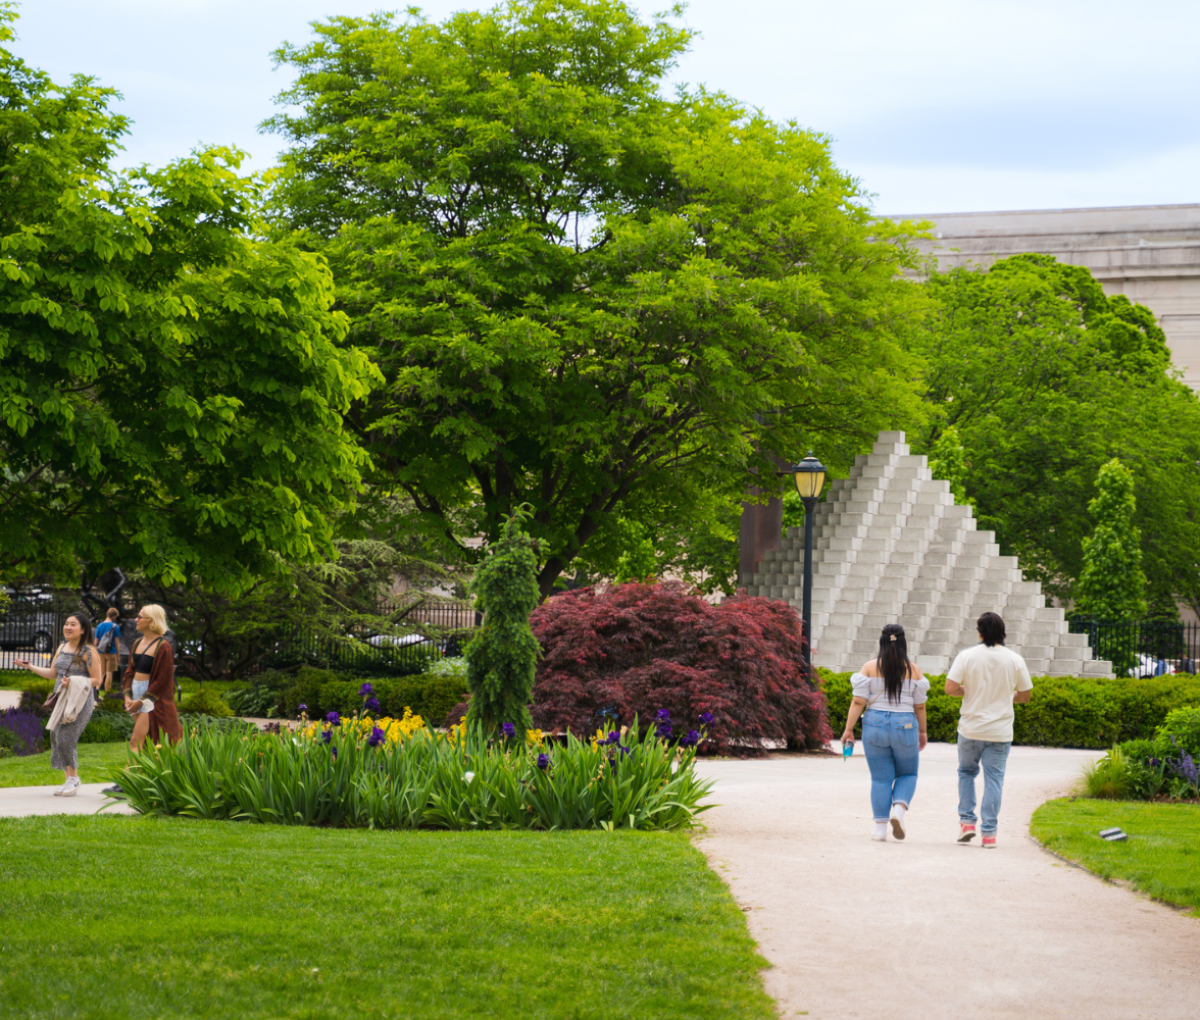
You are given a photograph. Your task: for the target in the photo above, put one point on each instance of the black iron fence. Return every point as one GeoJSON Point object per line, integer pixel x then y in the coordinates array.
{"type": "Point", "coordinates": [31, 628]}
{"type": "Point", "coordinates": [426, 632]}
{"type": "Point", "coordinates": [1142, 647]}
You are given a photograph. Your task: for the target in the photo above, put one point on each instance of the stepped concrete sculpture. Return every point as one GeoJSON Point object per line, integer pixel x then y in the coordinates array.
{"type": "Point", "coordinates": [890, 545]}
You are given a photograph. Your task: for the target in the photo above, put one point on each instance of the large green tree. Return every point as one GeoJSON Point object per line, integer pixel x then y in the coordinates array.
{"type": "Point", "coordinates": [172, 387]}
{"type": "Point", "coordinates": [586, 295]}
{"type": "Point", "coordinates": [1045, 379]}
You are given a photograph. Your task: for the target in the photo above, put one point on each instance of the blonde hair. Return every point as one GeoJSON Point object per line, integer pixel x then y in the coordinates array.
{"type": "Point", "coordinates": [113, 614]}
{"type": "Point", "coordinates": [157, 617]}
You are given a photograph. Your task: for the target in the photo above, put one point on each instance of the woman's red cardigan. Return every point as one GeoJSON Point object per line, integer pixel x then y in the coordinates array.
{"type": "Point", "coordinates": [164, 718]}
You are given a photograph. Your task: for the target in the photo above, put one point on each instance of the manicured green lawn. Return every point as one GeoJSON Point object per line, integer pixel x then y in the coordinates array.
{"type": "Point", "coordinates": [95, 763]}
{"type": "Point", "coordinates": [1161, 857]}
{"type": "Point", "coordinates": [220, 919]}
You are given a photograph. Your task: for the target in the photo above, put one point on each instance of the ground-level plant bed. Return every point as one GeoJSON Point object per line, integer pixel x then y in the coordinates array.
{"type": "Point", "coordinates": [398, 774]}
{"type": "Point", "coordinates": [246, 921]}
{"type": "Point", "coordinates": [1160, 857]}
{"type": "Point", "coordinates": [97, 764]}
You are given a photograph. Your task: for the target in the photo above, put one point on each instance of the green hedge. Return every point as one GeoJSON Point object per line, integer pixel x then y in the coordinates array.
{"type": "Point", "coordinates": [323, 691]}
{"type": "Point", "coordinates": [107, 728]}
{"type": "Point", "coordinates": [1064, 712]}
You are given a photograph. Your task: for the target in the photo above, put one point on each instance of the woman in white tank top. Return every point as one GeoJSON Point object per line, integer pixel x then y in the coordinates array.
{"type": "Point", "coordinates": [889, 694]}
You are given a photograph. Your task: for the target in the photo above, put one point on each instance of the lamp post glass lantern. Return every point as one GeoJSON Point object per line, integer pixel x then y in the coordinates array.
{"type": "Point", "coordinates": [809, 476]}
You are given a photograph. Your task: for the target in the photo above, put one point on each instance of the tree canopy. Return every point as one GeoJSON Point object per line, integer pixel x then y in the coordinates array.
{"type": "Point", "coordinates": [173, 387]}
{"type": "Point", "coordinates": [1045, 379]}
{"type": "Point", "coordinates": [584, 295]}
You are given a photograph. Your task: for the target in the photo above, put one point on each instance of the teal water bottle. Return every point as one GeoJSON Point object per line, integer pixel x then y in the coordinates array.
{"type": "Point", "coordinates": [847, 749]}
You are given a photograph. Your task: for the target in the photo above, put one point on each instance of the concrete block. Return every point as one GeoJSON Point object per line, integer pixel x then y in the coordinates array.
{"type": "Point", "coordinates": [860, 506]}
{"type": "Point", "coordinates": [933, 663]}
{"type": "Point", "coordinates": [1097, 667]}
{"type": "Point", "coordinates": [1036, 667]}
{"type": "Point", "coordinates": [961, 584]}
{"type": "Point", "coordinates": [1063, 668]}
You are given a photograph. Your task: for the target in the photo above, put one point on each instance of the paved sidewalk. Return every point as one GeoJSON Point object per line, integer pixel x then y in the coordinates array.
{"type": "Point", "coordinates": [9, 699]}
{"type": "Point", "coordinates": [927, 928]}
{"type": "Point", "coordinates": [40, 800]}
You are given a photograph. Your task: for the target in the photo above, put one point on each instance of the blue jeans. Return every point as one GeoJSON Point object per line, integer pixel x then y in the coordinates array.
{"type": "Point", "coordinates": [890, 744]}
{"type": "Point", "coordinates": [993, 754]}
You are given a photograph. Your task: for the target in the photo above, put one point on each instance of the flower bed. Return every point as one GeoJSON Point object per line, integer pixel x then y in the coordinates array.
{"type": "Point", "coordinates": [398, 774]}
{"type": "Point", "coordinates": [21, 732]}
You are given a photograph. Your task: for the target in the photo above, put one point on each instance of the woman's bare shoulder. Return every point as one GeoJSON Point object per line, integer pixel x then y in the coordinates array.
{"type": "Point", "coordinates": [915, 672]}
{"type": "Point", "coordinates": [869, 668]}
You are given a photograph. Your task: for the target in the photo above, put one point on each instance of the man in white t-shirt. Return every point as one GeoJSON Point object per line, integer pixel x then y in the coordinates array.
{"type": "Point", "coordinates": [990, 679]}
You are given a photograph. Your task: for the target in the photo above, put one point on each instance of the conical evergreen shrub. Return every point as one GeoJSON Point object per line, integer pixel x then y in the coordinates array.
{"type": "Point", "coordinates": [502, 658]}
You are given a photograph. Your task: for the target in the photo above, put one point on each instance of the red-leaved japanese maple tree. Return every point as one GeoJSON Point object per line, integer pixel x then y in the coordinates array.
{"type": "Point", "coordinates": [640, 648]}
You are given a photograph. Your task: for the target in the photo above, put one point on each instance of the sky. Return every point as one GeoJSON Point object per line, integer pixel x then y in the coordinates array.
{"type": "Point", "coordinates": [935, 105]}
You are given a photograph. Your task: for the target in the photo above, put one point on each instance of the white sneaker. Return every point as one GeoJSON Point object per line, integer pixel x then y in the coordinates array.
{"type": "Point", "coordinates": [880, 833]}
{"type": "Point", "coordinates": [897, 821]}
{"type": "Point", "coordinates": [70, 788]}
{"type": "Point", "coordinates": [62, 789]}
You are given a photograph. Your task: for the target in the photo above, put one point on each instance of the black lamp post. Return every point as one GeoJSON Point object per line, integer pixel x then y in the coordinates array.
{"type": "Point", "coordinates": [809, 476]}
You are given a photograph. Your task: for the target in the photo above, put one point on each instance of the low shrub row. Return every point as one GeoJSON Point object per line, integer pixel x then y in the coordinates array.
{"type": "Point", "coordinates": [109, 722]}
{"type": "Point", "coordinates": [357, 774]}
{"type": "Point", "coordinates": [321, 691]}
{"type": "Point", "coordinates": [1064, 712]}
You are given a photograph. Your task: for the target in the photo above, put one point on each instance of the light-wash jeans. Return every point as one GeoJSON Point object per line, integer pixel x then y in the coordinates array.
{"type": "Point", "coordinates": [890, 744]}
{"type": "Point", "coordinates": [993, 754]}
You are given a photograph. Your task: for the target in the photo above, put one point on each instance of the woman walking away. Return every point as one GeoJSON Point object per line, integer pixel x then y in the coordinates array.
{"type": "Point", "coordinates": [889, 694]}
{"type": "Point", "coordinates": [149, 683]}
{"type": "Point", "coordinates": [75, 670]}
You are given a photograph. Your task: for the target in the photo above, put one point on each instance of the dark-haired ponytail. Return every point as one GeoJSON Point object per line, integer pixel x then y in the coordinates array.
{"type": "Point", "coordinates": [892, 661]}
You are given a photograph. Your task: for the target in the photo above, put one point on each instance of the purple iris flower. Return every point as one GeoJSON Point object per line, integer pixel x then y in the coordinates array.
{"type": "Point", "coordinates": [333, 719]}
{"type": "Point", "coordinates": [508, 729]}
{"type": "Point", "coordinates": [335, 754]}
{"type": "Point", "coordinates": [614, 737]}
{"type": "Point", "coordinates": [376, 738]}
{"type": "Point", "coordinates": [664, 715]}
{"type": "Point", "coordinates": [303, 708]}
{"type": "Point", "coordinates": [543, 761]}
{"type": "Point", "coordinates": [706, 718]}
{"type": "Point", "coordinates": [326, 735]}
{"type": "Point", "coordinates": [366, 690]}
{"type": "Point", "coordinates": [691, 740]}
{"type": "Point", "coordinates": [372, 705]}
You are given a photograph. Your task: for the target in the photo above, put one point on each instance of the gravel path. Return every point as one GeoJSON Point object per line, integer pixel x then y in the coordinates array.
{"type": "Point", "coordinates": [928, 928]}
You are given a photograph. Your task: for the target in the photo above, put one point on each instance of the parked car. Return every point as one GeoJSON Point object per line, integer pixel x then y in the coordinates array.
{"type": "Point", "coordinates": [29, 623]}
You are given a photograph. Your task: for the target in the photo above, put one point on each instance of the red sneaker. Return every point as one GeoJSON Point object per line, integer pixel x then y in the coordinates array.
{"type": "Point", "coordinates": [989, 842]}
{"type": "Point", "coordinates": [966, 832]}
